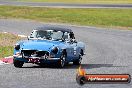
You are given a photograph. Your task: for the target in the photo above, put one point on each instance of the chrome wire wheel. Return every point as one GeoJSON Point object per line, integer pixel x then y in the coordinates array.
{"type": "Point", "coordinates": [62, 61]}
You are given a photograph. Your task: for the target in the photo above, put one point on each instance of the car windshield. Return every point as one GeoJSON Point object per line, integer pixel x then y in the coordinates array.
{"type": "Point", "coordinates": [47, 34]}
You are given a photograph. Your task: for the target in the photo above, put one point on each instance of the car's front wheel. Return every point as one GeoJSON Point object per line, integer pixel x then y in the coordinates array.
{"type": "Point", "coordinates": [18, 63]}
{"type": "Point", "coordinates": [62, 61]}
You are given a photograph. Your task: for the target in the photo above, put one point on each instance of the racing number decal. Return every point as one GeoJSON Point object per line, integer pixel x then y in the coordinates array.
{"type": "Point", "coordinates": [75, 51]}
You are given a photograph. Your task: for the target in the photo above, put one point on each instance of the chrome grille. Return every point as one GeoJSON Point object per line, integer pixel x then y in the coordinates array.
{"type": "Point", "coordinates": [34, 53]}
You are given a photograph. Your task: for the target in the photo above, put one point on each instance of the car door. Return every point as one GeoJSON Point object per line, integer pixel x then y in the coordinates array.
{"type": "Point", "coordinates": [71, 48]}
{"type": "Point", "coordinates": [75, 50]}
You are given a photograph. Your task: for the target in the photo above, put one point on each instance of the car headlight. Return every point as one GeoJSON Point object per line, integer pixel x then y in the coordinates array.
{"type": "Point", "coordinates": [55, 50]}
{"type": "Point", "coordinates": [17, 47]}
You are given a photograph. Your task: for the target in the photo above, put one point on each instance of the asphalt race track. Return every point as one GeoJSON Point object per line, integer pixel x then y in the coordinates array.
{"type": "Point", "coordinates": [107, 51]}
{"type": "Point", "coordinates": [63, 5]}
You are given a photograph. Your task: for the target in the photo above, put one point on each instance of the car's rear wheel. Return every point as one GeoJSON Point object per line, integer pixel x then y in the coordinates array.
{"type": "Point", "coordinates": [18, 63]}
{"type": "Point", "coordinates": [78, 61]}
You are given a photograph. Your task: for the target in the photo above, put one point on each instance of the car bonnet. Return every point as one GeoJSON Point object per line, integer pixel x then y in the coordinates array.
{"type": "Point", "coordinates": [43, 45]}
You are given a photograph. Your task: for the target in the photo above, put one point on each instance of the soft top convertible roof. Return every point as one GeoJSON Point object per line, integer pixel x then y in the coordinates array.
{"type": "Point", "coordinates": [54, 28]}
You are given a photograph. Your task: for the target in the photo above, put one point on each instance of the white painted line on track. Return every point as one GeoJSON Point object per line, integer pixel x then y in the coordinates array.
{"type": "Point", "coordinates": [22, 36]}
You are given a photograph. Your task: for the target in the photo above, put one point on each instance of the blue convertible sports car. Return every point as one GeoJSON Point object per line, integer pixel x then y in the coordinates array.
{"type": "Point", "coordinates": [49, 45]}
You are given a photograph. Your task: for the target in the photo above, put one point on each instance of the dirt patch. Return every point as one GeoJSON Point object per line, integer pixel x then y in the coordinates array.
{"type": "Point", "coordinates": [8, 39]}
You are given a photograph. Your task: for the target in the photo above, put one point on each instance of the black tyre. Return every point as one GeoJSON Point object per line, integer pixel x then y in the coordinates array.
{"type": "Point", "coordinates": [18, 63]}
{"type": "Point", "coordinates": [78, 61]}
{"type": "Point", "coordinates": [62, 61]}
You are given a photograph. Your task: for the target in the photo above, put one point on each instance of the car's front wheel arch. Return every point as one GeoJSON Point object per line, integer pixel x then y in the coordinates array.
{"type": "Point", "coordinates": [82, 52]}
{"type": "Point", "coordinates": [64, 52]}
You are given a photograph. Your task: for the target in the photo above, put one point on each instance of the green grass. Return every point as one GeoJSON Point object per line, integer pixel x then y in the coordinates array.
{"type": "Point", "coordinates": [7, 42]}
{"type": "Point", "coordinates": [6, 51]}
{"type": "Point", "coordinates": [85, 1]}
{"type": "Point", "coordinates": [90, 17]}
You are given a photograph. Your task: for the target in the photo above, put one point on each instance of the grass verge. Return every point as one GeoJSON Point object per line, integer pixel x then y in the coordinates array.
{"type": "Point", "coordinates": [85, 1]}
{"type": "Point", "coordinates": [91, 17]}
{"type": "Point", "coordinates": [7, 42]}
